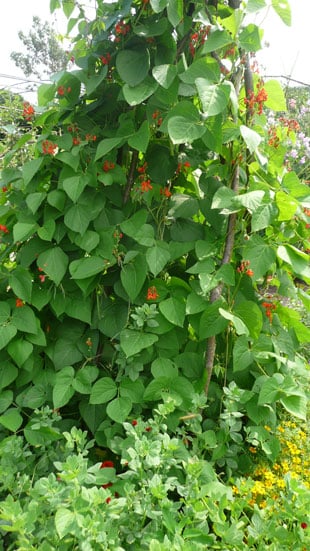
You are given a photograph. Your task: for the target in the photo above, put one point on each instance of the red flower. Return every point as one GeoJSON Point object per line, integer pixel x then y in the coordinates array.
{"type": "Point", "coordinates": [105, 59]}
{"type": "Point", "coordinates": [3, 228]}
{"type": "Point", "coordinates": [134, 422]}
{"type": "Point", "coordinates": [148, 429]}
{"type": "Point", "coordinates": [89, 343]}
{"type": "Point", "coordinates": [61, 90]}
{"type": "Point", "coordinates": [42, 278]}
{"type": "Point", "coordinates": [108, 500]}
{"type": "Point", "coordinates": [146, 185]}
{"type": "Point", "coordinates": [152, 293]}
{"type": "Point", "coordinates": [76, 141]}
{"type": "Point", "coordinates": [107, 485]}
{"type": "Point", "coordinates": [166, 192]}
{"type": "Point", "coordinates": [304, 525]}
{"type": "Point", "coordinates": [107, 464]}
{"type": "Point", "coordinates": [19, 303]}
{"type": "Point", "coordinates": [48, 147]}
{"type": "Point", "coordinates": [28, 111]}
{"type": "Point", "coordinates": [107, 165]}
{"type": "Point", "coordinates": [249, 272]}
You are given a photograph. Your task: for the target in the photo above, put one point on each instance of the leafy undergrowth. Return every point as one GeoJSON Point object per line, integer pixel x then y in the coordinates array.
{"type": "Point", "coordinates": [156, 490]}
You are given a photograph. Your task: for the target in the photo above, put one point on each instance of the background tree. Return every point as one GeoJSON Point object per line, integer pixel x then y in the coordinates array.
{"type": "Point", "coordinates": [44, 54]}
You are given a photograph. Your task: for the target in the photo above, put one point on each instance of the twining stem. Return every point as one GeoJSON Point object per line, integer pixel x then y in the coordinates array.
{"type": "Point", "coordinates": [131, 175]}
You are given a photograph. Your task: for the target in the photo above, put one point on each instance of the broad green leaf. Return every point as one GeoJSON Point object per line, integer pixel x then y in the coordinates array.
{"type": "Point", "coordinates": [24, 320]}
{"type": "Point", "coordinates": [298, 260]}
{"type": "Point", "coordinates": [249, 38]}
{"type": "Point", "coordinates": [46, 93]}
{"type": "Point", "coordinates": [105, 146]}
{"type": "Point", "coordinates": [62, 389]}
{"type": "Point", "coordinates": [270, 391]}
{"type": "Point", "coordinates": [287, 205]}
{"type": "Point", "coordinates": [276, 97]}
{"type": "Point", "coordinates": [8, 373]}
{"type": "Point", "coordinates": [263, 216]}
{"type": "Point", "coordinates": [91, 83]}
{"type": "Point", "coordinates": [151, 28]}
{"type": "Point", "coordinates": [88, 241]}
{"type": "Point", "coordinates": [251, 315]}
{"type": "Point", "coordinates": [164, 74]}
{"type": "Point", "coordinates": [33, 397]}
{"type": "Point", "coordinates": [251, 138]}
{"type": "Point", "coordinates": [260, 254]}
{"type": "Point", "coordinates": [75, 185]}
{"type": "Point", "coordinates": [174, 310]}
{"type": "Point", "coordinates": [86, 267]}
{"type": "Point", "coordinates": [57, 198]}
{"type": "Point", "coordinates": [175, 12]}
{"type": "Point", "coordinates": [132, 342]}
{"type": "Point", "coordinates": [132, 225]}
{"type": "Point", "coordinates": [205, 68]}
{"type": "Point", "coordinates": [133, 65]}
{"type": "Point", "coordinates": [132, 389]}
{"type": "Point", "coordinates": [23, 230]}
{"type": "Point", "coordinates": [211, 322]}
{"type": "Point", "coordinates": [68, 159]}
{"type": "Point", "coordinates": [20, 350]}
{"type": "Point", "coordinates": [133, 276]}
{"type": "Point", "coordinates": [6, 399]}
{"type": "Point", "coordinates": [84, 379]}
{"type": "Point", "coordinates": [163, 367]}
{"type": "Point", "coordinates": [216, 39]}
{"type": "Point", "coordinates": [21, 282]}
{"type": "Point", "coordinates": [79, 307]}
{"type": "Point", "coordinates": [103, 391]}
{"type": "Point", "coordinates": [65, 522]}
{"type": "Point", "coordinates": [255, 5]}
{"type": "Point", "coordinates": [54, 263]}
{"type": "Point", "coordinates": [283, 9]}
{"type": "Point", "coordinates": [34, 200]}
{"type": "Point", "coordinates": [242, 355]}
{"type": "Point", "coordinates": [11, 419]}
{"type": "Point", "coordinates": [250, 200]}
{"type": "Point", "coordinates": [292, 184]}
{"type": "Point", "coordinates": [134, 95]}
{"type": "Point", "coordinates": [7, 333]}
{"type": "Point", "coordinates": [30, 168]}
{"type": "Point", "coordinates": [296, 405]}
{"type": "Point", "coordinates": [114, 318]}
{"type": "Point", "coordinates": [157, 257]}
{"type": "Point", "coordinates": [241, 328]}
{"type": "Point", "coordinates": [183, 130]}
{"type": "Point", "coordinates": [77, 218]}
{"type": "Point", "coordinates": [214, 98]}
{"type": "Point", "coordinates": [140, 140]}
{"type": "Point", "coordinates": [159, 5]}
{"type": "Point", "coordinates": [47, 231]}
{"type": "Point", "coordinates": [119, 409]}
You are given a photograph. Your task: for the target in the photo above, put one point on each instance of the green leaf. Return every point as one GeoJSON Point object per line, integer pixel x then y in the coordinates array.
{"type": "Point", "coordinates": [157, 257]}
{"type": "Point", "coordinates": [163, 367]}
{"type": "Point", "coordinates": [75, 185]}
{"type": "Point", "coordinates": [30, 168]}
{"type": "Point", "coordinates": [249, 38]}
{"type": "Point", "coordinates": [264, 216]}
{"type": "Point", "coordinates": [54, 263]}
{"type": "Point", "coordinates": [7, 333]}
{"type": "Point", "coordinates": [92, 83]}
{"type": "Point", "coordinates": [137, 94]}
{"type": "Point", "coordinates": [133, 65]}
{"type": "Point", "coordinates": [132, 342]}
{"type": "Point", "coordinates": [6, 399]}
{"type": "Point", "coordinates": [283, 10]}
{"type": "Point", "coordinates": [241, 328]}
{"type": "Point", "coordinates": [119, 409]}
{"type": "Point", "coordinates": [11, 420]}
{"type": "Point", "coordinates": [23, 230]}
{"type": "Point", "coordinates": [65, 522]}
{"type": "Point", "coordinates": [159, 5]}
{"type": "Point", "coordinates": [287, 205]}
{"type": "Point", "coordinates": [84, 379]}
{"type": "Point", "coordinates": [242, 355]}
{"type": "Point", "coordinates": [175, 12]}
{"type": "Point", "coordinates": [298, 260]}
{"type": "Point", "coordinates": [276, 97]}
{"type": "Point", "coordinates": [25, 320]}
{"type": "Point", "coordinates": [88, 241]}
{"type": "Point", "coordinates": [184, 130]}
{"type": "Point", "coordinates": [114, 317]}
{"type": "Point", "coordinates": [8, 373]}
{"type": "Point", "coordinates": [133, 276]}
{"type": "Point", "coordinates": [216, 39]}
{"type": "Point", "coordinates": [86, 267]}
{"type": "Point", "coordinates": [270, 391]}
{"type": "Point", "coordinates": [164, 74]}
{"type": "Point", "coordinates": [214, 97]}
{"type": "Point", "coordinates": [57, 198]}
{"type": "Point", "coordinates": [103, 391]}
{"type": "Point", "coordinates": [62, 389]}
{"type": "Point", "coordinates": [68, 159]}
{"type": "Point", "coordinates": [77, 218]}
{"type": "Point", "coordinates": [174, 310]}
{"type": "Point", "coordinates": [211, 322]}
{"type": "Point", "coordinates": [105, 146]}
{"type": "Point", "coordinates": [205, 68]}
{"type": "Point", "coordinates": [132, 225]}
{"type": "Point", "coordinates": [140, 140]}
{"type": "Point", "coordinates": [251, 315]}
{"type": "Point", "coordinates": [34, 200]}
{"type": "Point", "coordinates": [260, 254]}
{"type": "Point", "coordinates": [251, 138]}
{"type": "Point", "coordinates": [255, 5]}
{"type": "Point", "coordinates": [20, 350]}
{"type": "Point", "coordinates": [296, 405]}
{"type": "Point", "coordinates": [20, 281]}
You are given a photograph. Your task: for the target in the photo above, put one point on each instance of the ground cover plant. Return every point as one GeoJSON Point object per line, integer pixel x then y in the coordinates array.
{"type": "Point", "coordinates": [150, 341]}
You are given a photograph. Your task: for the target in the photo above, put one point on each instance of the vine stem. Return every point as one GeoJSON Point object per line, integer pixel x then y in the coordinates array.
{"type": "Point", "coordinates": [131, 175]}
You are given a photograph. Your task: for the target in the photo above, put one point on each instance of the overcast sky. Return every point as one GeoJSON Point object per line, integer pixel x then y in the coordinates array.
{"type": "Point", "coordinates": [287, 53]}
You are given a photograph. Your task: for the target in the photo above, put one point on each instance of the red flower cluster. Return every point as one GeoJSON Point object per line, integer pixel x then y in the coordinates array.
{"type": "Point", "coordinates": [76, 140]}
{"type": "Point", "coordinates": [28, 111]}
{"type": "Point", "coordinates": [41, 276]}
{"type": "Point", "coordinates": [90, 138]}
{"type": "Point", "coordinates": [105, 59]}
{"type": "Point", "coordinates": [152, 293]}
{"type": "Point", "coordinates": [244, 268]}
{"type": "Point", "coordinates": [269, 306]}
{"type": "Point", "coordinates": [62, 91]}
{"type": "Point", "coordinates": [165, 191]}
{"type": "Point", "coordinates": [3, 228]}
{"type": "Point", "coordinates": [198, 38]}
{"type": "Point", "coordinates": [274, 140]}
{"type": "Point", "coordinates": [183, 167]}
{"type": "Point", "coordinates": [108, 165]}
{"type": "Point", "coordinates": [156, 117]}
{"type": "Point", "coordinates": [122, 28]}
{"type": "Point", "coordinates": [48, 147]}
{"type": "Point", "coordinates": [256, 101]}
{"type": "Point", "coordinates": [19, 303]}
{"type": "Point", "coordinates": [146, 185]}
{"type": "Point", "coordinates": [107, 465]}
{"type": "Point", "coordinates": [291, 124]}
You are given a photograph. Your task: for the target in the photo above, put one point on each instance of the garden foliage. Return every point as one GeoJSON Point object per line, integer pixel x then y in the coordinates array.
{"type": "Point", "coordinates": [139, 241]}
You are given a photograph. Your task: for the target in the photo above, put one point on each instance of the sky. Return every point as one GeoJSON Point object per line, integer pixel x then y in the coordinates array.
{"type": "Point", "coordinates": [286, 49]}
